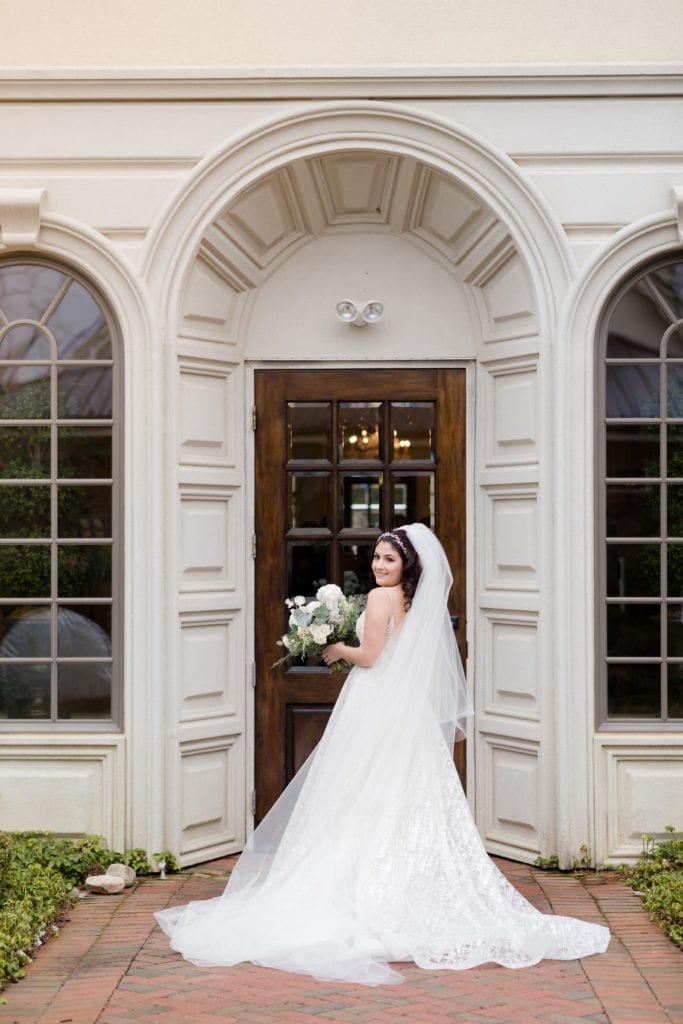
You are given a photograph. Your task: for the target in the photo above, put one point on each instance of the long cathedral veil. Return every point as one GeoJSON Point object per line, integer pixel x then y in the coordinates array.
{"type": "Point", "coordinates": [417, 681]}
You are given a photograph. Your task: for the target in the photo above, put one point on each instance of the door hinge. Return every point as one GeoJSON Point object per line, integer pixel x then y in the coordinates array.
{"type": "Point", "coordinates": [253, 674]}
{"type": "Point", "coordinates": [253, 417]}
{"type": "Point", "coordinates": [253, 545]}
{"type": "Point", "coordinates": [253, 801]}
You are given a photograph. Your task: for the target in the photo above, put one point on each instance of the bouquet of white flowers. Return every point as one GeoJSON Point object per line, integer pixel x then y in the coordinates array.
{"type": "Point", "coordinates": [313, 625]}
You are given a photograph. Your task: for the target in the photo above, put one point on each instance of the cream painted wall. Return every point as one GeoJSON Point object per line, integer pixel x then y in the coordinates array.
{"type": "Point", "coordinates": [328, 269]}
{"type": "Point", "coordinates": [321, 33]}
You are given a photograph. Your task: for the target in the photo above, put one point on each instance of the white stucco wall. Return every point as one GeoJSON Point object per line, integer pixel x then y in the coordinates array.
{"type": "Point", "coordinates": [234, 33]}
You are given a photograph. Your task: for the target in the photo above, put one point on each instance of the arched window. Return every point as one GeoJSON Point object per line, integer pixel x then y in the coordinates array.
{"type": "Point", "coordinates": [640, 502]}
{"type": "Point", "coordinates": [59, 501]}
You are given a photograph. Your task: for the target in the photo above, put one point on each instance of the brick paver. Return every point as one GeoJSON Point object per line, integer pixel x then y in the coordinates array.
{"type": "Point", "coordinates": [112, 965]}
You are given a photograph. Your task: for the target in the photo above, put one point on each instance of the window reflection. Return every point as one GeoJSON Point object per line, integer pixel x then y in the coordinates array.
{"type": "Point", "coordinates": [25, 341]}
{"type": "Point", "coordinates": [309, 430]}
{"type": "Point", "coordinates": [643, 332]}
{"type": "Point", "coordinates": [27, 290]}
{"type": "Point", "coordinates": [359, 430]}
{"type": "Point", "coordinates": [412, 430]}
{"type": "Point", "coordinates": [49, 317]}
{"type": "Point", "coordinates": [308, 499]}
{"type": "Point", "coordinates": [361, 501]}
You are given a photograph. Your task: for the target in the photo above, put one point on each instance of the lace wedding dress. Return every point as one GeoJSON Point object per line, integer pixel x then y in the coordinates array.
{"type": "Point", "coordinates": [371, 855]}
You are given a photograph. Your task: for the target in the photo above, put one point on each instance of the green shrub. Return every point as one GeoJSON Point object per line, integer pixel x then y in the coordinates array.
{"type": "Point", "coordinates": [33, 899]}
{"type": "Point", "coordinates": [658, 877]}
{"type": "Point", "coordinates": [38, 870]}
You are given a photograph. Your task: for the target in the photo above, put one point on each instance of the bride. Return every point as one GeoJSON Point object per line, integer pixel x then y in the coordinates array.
{"type": "Point", "coordinates": [371, 855]}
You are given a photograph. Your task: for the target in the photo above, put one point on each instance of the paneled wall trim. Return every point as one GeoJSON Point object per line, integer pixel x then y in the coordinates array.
{"type": "Point", "coordinates": [637, 792]}
{"type": "Point", "coordinates": [89, 775]}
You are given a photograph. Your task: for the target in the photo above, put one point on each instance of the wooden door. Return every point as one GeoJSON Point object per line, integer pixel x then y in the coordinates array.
{"type": "Point", "coordinates": [342, 455]}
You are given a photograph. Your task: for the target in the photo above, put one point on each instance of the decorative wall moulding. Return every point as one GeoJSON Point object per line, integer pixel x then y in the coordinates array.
{"type": "Point", "coordinates": [663, 78]}
{"type": "Point", "coordinates": [20, 210]}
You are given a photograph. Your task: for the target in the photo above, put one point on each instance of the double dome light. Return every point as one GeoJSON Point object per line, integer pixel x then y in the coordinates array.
{"type": "Point", "coordinates": [350, 312]}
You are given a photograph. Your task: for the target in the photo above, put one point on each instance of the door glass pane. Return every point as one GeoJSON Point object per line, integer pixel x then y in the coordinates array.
{"type": "Point", "coordinates": [24, 452]}
{"type": "Point", "coordinates": [674, 391]}
{"type": "Point", "coordinates": [356, 562]}
{"type": "Point", "coordinates": [633, 630]}
{"type": "Point", "coordinates": [84, 452]}
{"type": "Point", "coordinates": [79, 327]}
{"type": "Point", "coordinates": [360, 500]}
{"type": "Point", "coordinates": [308, 567]}
{"type": "Point", "coordinates": [632, 510]}
{"type": "Point", "coordinates": [84, 511]}
{"type": "Point", "coordinates": [309, 430]}
{"type": "Point", "coordinates": [632, 391]}
{"type": "Point", "coordinates": [84, 570]}
{"type": "Point", "coordinates": [634, 691]}
{"type": "Point", "coordinates": [84, 690]}
{"type": "Point", "coordinates": [24, 511]}
{"type": "Point", "coordinates": [359, 430]}
{"type": "Point", "coordinates": [25, 341]}
{"type": "Point", "coordinates": [24, 392]}
{"type": "Point", "coordinates": [414, 499]}
{"type": "Point", "coordinates": [412, 430]}
{"type": "Point", "coordinates": [633, 450]}
{"type": "Point", "coordinates": [633, 570]}
{"type": "Point", "coordinates": [24, 691]}
{"type": "Point", "coordinates": [675, 691]}
{"type": "Point", "coordinates": [84, 392]}
{"type": "Point", "coordinates": [308, 499]}
{"type": "Point", "coordinates": [25, 570]}
{"type": "Point", "coordinates": [24, 631]}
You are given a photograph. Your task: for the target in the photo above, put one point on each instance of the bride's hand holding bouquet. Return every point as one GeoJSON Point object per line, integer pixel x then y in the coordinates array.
{"type": "Point", "coordinates": [314, 625]}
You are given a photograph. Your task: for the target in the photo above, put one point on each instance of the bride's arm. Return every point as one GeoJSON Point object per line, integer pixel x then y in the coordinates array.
{"type": "Point", "coordinates": [377, 615]}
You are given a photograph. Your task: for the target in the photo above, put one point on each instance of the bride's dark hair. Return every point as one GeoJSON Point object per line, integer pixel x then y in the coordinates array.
{"type": "Point", "coordinates": [411, 563]}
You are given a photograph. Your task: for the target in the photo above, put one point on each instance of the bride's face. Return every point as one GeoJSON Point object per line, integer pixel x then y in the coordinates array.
{"type": "Point", "coordinates": [387, 565]}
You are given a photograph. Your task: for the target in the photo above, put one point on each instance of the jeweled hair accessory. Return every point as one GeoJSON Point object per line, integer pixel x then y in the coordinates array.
{"type": "Point", "coordinates": [395, 539]}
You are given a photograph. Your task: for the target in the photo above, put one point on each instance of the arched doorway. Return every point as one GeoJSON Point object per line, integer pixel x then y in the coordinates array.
{"type": "Point", "coordinates": [472, 267]}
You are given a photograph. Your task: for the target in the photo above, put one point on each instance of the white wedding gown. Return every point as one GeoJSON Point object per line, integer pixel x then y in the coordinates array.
{"type": "Point", "coordinates": [371, 855]}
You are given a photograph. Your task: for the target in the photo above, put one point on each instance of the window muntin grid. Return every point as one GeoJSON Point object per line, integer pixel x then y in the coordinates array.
{"type": "Point", "coordinates": [640, 503]}
{"type": "Point", "coordinates": [59, 505]}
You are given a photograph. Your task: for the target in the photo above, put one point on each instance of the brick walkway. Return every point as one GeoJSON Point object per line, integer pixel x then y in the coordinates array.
{"type": "Point", "coordinates": [111, 965]}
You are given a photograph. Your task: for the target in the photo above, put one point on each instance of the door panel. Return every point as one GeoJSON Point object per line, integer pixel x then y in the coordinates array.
{"type": "Point", "coordinates": [340, 456]}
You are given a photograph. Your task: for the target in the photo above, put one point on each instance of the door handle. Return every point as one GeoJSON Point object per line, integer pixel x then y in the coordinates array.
{"type": "Point", "coordinates": [455, 622]}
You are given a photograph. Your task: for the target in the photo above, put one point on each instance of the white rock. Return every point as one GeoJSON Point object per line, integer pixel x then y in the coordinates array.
{"type": "Point", "coordinates": [108, 884]}
{"type": "Point", "coordinates": [123, 871]}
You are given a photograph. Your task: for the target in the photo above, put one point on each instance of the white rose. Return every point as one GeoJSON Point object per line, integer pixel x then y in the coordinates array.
{"type": "Point", "coordinates": [299, 600]}
{"type": "Point", "coordinates": [320, 632]}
